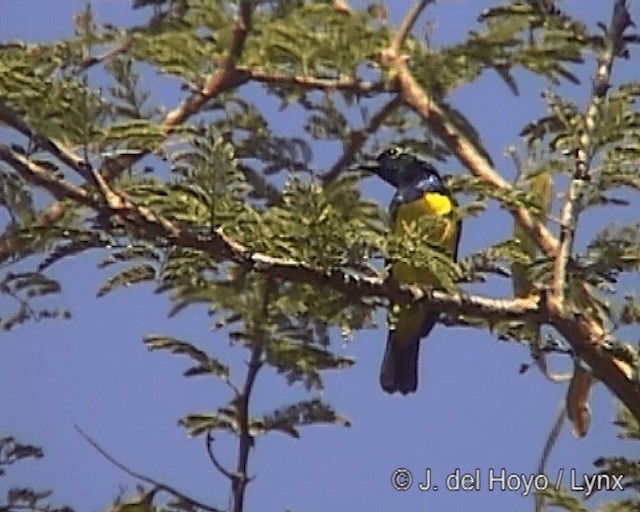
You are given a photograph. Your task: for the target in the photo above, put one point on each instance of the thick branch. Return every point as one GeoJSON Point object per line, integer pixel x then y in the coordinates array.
{"type": "Point", "coordinates": [586, 338]}
{"type": "Point", "coordinates": [583, 334]}
{"type": "Point", "coordinates": [152, 226]}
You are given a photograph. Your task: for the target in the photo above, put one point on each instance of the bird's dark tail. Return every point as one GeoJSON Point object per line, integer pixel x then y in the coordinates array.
{"type": "Point", "coordinates": [399, 370]}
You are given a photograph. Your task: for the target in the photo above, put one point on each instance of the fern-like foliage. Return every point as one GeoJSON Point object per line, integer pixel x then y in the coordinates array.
{"type": "Point", "coordinates": [13, 451]}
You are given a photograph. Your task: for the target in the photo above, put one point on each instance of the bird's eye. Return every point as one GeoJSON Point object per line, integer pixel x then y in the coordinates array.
{"type": "Point", "coordinates": [388, 155]}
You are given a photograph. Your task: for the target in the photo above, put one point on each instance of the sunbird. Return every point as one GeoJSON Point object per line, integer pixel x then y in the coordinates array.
{"type": "Point", "coordinates": [420, 194]}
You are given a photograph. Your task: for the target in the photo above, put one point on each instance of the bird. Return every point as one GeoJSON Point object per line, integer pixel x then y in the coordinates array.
{"type": "Point", "coordinates": [420, 194]}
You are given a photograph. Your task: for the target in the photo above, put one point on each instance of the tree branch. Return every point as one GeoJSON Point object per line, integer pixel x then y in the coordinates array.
{"type": "Point", "coordinates": [215, 84]}
{"type": "Point", "coordinates": [119, 49]}
{"type": "Point", "coordinates": [143, 478]}
{"type": "Point", "coordinates": [584, 334]}
{"type": "Point", "coordinates": [586, 337]}
{"type": "Point", "coordinates": [245, 440]}
{"type": "Point", "coordinates": [243, 74]}
{"type": "Point", "coordinates": [613, 47]}
{"type": "Point", "coordinates": [66, 156]}
{"type": "Point", "coordinates": [218, 80]}
{"type": "Point", "coordinates": [407, 24]}
{"type": "Point", "coordinates": [416, 98]}
{"type": "Point", "coordinates": [36, 174]}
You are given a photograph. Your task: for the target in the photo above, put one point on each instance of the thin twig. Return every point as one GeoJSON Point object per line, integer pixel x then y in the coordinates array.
{"type": "Point", "coordinates": [243, 74]}
{"type": "Point", "coordinates": [143, 478]}
{"type": "Point", "coordinates": [550, 442]}
{"type": "Point", "coordinates": [214, 84]}
{"type": "Point", "coordinates": [119, 49]}
{"type": "Point", "coordinates": [36, 174]}
{"type": "Point", "coordinates": [214, 460]}
{"type": "Point", "coordinates": [407, 24]}
{"type": "Point", "coordinates": [358, 139]}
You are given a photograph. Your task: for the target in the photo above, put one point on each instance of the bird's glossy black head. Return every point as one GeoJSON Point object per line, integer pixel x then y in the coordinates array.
{"type": "Point", "coordinates": [401, 167]}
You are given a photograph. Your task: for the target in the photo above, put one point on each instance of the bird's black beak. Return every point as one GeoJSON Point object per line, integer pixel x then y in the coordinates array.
{"type": "Point", "coordinates": [368, 165]}
{"type": "Point", "coordinates": [373, 166]}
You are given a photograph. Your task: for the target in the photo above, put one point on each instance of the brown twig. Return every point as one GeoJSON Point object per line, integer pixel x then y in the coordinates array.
{"type": "Point", "coordinates": [358, 139]}
{"type": "Point", "coordinates": [407, 24]}
{"type": "Point", "coordinates": [65, 155]}
{"type": "Point", "coordinates": [586, 337]}
{"type": "Point", "coordinates": [119, 49]}
{"type": "Point", "coordinates": [36, 174]}
{"type": "Point", "coordinates": [10, 242]}
{"type": "Point", "coordinates": [143, 478]}
{"type": "Point", "coordinates": [243, 74]}
{"type": "Point", "coordinates": [218, 80]}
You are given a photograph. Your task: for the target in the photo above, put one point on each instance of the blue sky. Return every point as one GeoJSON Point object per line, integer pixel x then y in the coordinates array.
{"type": "Point", "coordinates": [472, 409]}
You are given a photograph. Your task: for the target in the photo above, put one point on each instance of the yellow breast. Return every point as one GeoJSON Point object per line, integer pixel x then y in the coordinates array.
{"type": "Point", "coordinates": [431, 204]}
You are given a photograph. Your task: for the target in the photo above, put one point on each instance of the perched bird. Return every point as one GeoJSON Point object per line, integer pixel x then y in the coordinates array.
{"type": "Point", "coordinates": [420, 194]}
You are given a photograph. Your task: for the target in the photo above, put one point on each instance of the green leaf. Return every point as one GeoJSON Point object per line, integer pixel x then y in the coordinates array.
{"type": "Point", "coordinates": [288, 419]}
{"type": "Point", "coordinates": [133, 275]}
{"type": "Point", "coordinates": [206, 363]}
{"type": "Point", "coordinates": [628, 423]}
{"type": "Point", "coordinates": [198, 424]}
